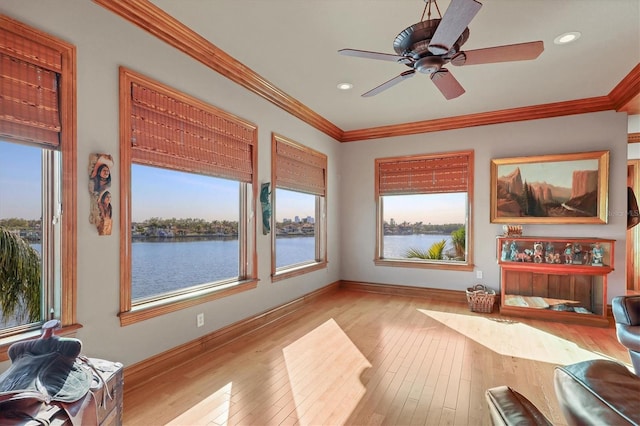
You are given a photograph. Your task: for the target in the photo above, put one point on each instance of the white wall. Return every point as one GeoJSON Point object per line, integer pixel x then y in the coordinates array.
{"type": "Point", "coordinates": [578, 133]}
{"type": "Point", "coordinates": [105, 41]}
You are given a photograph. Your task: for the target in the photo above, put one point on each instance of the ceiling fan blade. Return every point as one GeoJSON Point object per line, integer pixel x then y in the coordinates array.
{"type": "Point", "coordinates": [456, 18]}
{"type": "Point", "coordinates": [372, 55]}
{"type": "Point", "coordinates": [389, 83]}
{"type": "Point", "coordinates": [447, 84]}
{"type": "Point", "coordinates": [508, 53]}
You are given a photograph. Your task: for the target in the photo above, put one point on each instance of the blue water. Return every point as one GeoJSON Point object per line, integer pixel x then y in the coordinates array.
{"type": "Point", "coordinates": [292, 250]}
{"type": "Point", "coordinates": [165, 266]}
{"type": "Point", "coordinates": [396, 246]}
{"type": "Point", "coordinates": [155, 265]}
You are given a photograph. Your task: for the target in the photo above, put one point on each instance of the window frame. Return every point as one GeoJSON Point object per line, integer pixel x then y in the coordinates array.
{"type": "Point", "coordinates": [130, 313]}
{"type": "Point", "coordinates": [320, 224]}
{"type": "Point", "coordinates": [66, 289]}
{"type": "Point", "coordinates": [379, 260]}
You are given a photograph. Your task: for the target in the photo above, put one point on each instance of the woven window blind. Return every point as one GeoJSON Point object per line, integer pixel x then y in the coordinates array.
{"type": "Point", "coordinates": [426, 175]}
{"type": "Point", "coordinates": [29, 104]}
{"type": "Point", "coordinates": [172, 133]}
{"type": "Point", "coordinates": [299, 168]}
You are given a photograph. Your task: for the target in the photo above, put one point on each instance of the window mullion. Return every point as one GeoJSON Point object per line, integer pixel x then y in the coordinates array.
{"type": "Point", "coordinates": [316, 228]}
{"type": "Point", "coordinates": [46, 236]}
{"type": "Point", "coordinates": [243, 232]}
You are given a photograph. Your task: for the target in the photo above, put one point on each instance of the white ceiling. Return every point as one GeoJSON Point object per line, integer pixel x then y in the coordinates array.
{"type": "Point", "coordinates": [293, 44]}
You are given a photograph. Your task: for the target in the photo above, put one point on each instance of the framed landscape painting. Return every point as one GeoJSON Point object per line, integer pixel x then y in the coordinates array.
{"type": "Point", "coordinates": [550, 189]}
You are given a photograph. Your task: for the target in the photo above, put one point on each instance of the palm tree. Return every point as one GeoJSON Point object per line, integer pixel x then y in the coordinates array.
{"type": "Point", "coordinates": [19, 277]}
{"type": "Point", "coordinates": [434, 253]}
{"type": "Point", "coordinates": [458, 238]}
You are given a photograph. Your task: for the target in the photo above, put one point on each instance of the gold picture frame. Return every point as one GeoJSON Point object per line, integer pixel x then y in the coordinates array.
{"type": "Point", "coordinates": [551, 189]}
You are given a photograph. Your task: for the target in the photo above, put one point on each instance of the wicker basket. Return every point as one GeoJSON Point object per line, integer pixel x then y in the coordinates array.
{"type": "Point", "coordinates": [480, 298]}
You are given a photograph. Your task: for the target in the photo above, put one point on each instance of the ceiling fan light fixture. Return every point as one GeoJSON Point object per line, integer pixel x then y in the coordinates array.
{"type": "Point", "coordinates": [344, 86]}
{"type": "Point", "coordinates": [567, 37]}
{"type": "Point", "coordinates": [429, 64]}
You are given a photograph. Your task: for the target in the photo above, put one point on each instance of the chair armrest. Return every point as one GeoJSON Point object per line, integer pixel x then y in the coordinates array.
{"type": "Point", "coordinates": [597, 392]}
{"type": "Point", "coordinates": [629, 336]}
{"type": "Point", "coordinates": [509, 408]}
{"type": "Point", "coordinates": [626, 310]}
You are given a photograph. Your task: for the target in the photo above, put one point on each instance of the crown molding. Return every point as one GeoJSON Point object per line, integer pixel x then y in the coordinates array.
{"type": "Point", "coordinates": [557, 109]}
{"type": "Point", "coordinates": [625, 97]}
{"type": "Point", "coordinates": [157, 22]}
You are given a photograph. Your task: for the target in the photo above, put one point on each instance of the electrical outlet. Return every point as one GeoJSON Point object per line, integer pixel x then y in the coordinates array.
{"type": "Point", "coordinates": [479, 275]}
{"type": "Point", "coordinates": [200, 320]}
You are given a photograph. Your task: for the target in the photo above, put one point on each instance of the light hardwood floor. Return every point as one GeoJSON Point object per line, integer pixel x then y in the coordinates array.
{"type": "Point", "coordinates": [356, 358]}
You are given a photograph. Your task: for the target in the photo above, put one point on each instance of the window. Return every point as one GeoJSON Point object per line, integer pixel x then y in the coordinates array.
{"type": "Point", "coordinates": [183, 225]}
{"type": "Point", "coordinates": [38, 172]}
{"type": "Point", "coordinates": [424, 211]}
{"type": "Point", "coordinates": [188, 196]}
{"type": "Point", "coordinates": [299, 175]}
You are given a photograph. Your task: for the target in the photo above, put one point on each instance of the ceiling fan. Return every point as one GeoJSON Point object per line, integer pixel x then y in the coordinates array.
{"type": "Point", "coordinates": [432, 43]}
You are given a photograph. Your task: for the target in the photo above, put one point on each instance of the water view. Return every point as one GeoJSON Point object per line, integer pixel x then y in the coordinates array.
{"type": "Point", "coordinates": [156, 264]}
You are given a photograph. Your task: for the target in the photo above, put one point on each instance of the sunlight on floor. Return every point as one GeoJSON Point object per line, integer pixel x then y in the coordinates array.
{"type": "Point", "coordinates": [513, 338]}
{"type": "Point", "coordinates": [331, 361]}
{"type": "Point", "coordinates": [214, 409]}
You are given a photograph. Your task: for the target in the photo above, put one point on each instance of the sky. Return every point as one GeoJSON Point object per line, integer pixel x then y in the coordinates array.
{"type": "Point", "coordinates": [155, 193]}
{"type": "Point", "coordinates": [20, 173]}
{"type": "Point", "coordinates": [166, 194]}
{"type": "Point", "coordinates": [550, 172]}
{"type": "Point", "coordinates": [431, 208]}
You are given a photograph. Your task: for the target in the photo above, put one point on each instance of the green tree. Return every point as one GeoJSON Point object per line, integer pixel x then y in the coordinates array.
{"type": "Point", "coordinates": [19, 277]}
{"type": "Point", "coordinates": [458, 237]}
{"type": "Point", "coordinates": [434, 252]}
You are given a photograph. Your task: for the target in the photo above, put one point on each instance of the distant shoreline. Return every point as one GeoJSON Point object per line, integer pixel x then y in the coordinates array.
{"type": "Point", "coordinates": [187, 238]}
{"type": "Point", "coordinates": [164, 239]}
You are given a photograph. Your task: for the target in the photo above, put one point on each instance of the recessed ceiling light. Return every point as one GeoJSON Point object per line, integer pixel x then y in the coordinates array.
{"type": "Point", "coordinates": [345, 86]}
{"type": "Point", "coordinates": [567, 37]}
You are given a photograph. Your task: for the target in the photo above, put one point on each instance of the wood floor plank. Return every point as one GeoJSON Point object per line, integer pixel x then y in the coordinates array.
{"type": "Point", "coordinates": [355, 358]}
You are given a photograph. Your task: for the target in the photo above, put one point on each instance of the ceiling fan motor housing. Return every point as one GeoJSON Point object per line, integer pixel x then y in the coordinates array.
{"type": "Point", "coordinates": [414, 41]}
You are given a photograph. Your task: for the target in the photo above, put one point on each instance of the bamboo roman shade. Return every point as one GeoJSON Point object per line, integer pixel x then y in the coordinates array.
{"type": "Point", "coordinates": [169, 131]}
{"type": "Point", "coordinates": [29, 94]}
{"type": "Point", "coordinates": [299, 168]}
{"type": "Point", "coordinates": [424, 175]}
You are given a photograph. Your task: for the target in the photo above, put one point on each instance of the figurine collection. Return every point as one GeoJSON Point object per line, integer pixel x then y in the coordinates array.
{"type": "Point", "coordinates": [570, 253]}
